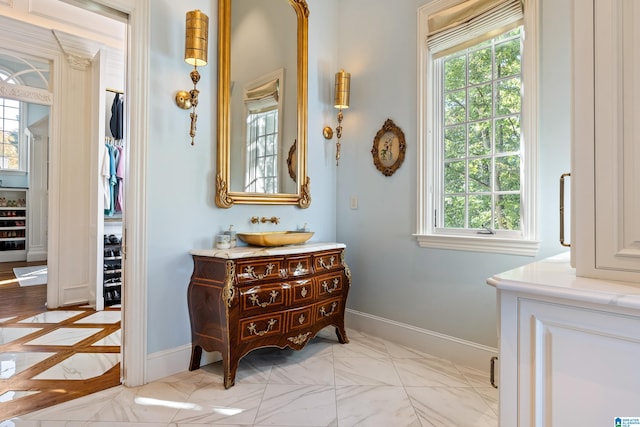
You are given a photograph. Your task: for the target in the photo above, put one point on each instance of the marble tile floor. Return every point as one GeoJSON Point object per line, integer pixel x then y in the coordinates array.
{"type": "Point", "coordinates": [56, 355]}
{"type": "Point", "coordinates": [367, 382]}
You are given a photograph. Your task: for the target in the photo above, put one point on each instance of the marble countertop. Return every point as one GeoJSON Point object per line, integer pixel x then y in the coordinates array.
{"type": "Point", "coordinates": [253, 251]}
{"type": "Point", "coordinates": [554, 277]}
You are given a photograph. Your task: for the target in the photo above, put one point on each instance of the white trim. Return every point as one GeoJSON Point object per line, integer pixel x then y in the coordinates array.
{"type": "Point", "coordinates": [426, 156]}
{"type": "Point", "coordinates": [135, 234]}
{"type": "Point", "coordinates": [479, 244]}
{"type": "Point", "coordinates": [456, 350]}
{"type": "Point", "coordinates": [134, 307]}
{"type": "Point", "coordinates": [175, 360]}
{"type": "Point", "coordinates": [461, 352]}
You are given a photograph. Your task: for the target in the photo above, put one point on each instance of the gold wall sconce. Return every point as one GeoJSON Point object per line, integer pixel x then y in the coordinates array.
{"type": "Point", "coordinates": [196, 54]}
{"type": "Point", "coordinates": [341, 102]}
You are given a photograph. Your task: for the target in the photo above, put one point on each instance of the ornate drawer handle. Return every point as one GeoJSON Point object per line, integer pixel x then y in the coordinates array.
{"type": "Point", "coordinates": [325, 286]}
{"type": "Point", "coordinates": [300, 338]}
{"type": "Point", "coordinates": [250, 270]}
{"type": "Point", "coordinates": [301, 319]}
{"type": "Point", "coordinates": [324, 265]}
{"type": "Point", "coordinates": [252, 328]}
{"type": "Point", "coordinates": [255, 300]}
{"type": "Point", "coordinates": [323, 311]}
{"type": "Point", "coordinates": [303, 291]}
{"type": "Point", "coordinates": [299, 269]}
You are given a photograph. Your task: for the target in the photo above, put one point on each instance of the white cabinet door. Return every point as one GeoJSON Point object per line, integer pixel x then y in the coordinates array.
{"type": "Point", "coordinates": [576, 366]}
{"type": "Point", "coordinates": [606, 139]}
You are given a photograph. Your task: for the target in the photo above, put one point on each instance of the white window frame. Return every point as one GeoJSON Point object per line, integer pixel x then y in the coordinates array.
{"type": "Point", "coordinates": [503, 242]}
{"type": "Point", "coordinates": [277, 75]}
{"type": "Point", "coordinates": [23, 143]}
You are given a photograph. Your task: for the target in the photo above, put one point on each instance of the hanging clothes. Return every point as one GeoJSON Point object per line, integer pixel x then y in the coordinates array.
{"type": "Point", "coordinates": [120, 177]}
{"type": "Point", "coordinates": [113, 180]}
{"type": "Point", "coordinates": [105, 174]}
{"type": "Point", "coordinates": [116, 123]}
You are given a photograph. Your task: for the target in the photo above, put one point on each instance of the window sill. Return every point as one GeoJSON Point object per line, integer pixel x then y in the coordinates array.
{"type": "Point", "coordinates": [480, 244]}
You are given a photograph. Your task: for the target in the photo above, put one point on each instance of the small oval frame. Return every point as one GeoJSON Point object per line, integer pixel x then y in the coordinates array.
{"type": "Point", "coordinates": [389, 148]}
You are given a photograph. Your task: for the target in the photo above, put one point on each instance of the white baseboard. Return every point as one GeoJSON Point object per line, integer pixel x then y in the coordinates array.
{"type": "Point", "coordinates": [37, 255]}
{"type": "Point", "coordinates": [465, 353]}
{"type": "Point", "coordinates": [458, 351]}
{"type": "Point", "coordinates": [173, 361]}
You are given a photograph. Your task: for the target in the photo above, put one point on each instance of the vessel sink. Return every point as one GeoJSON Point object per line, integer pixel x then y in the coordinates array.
{"type": "Point", "coordinates": [275, 238]}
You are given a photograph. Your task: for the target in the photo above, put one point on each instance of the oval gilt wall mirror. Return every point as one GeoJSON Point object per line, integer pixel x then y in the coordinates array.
{"type": "Point", "coordinates": [262, 103]}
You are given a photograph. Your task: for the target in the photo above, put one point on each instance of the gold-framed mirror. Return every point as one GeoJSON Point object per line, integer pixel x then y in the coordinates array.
{"type": "Point", "coordinates": [262, 103]}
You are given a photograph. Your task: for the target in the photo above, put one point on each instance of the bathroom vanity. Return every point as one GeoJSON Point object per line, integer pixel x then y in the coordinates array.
{"type": "Point", "coordinates": [569, 346]}
{"type": "Point", "coordinates": [249, 297]}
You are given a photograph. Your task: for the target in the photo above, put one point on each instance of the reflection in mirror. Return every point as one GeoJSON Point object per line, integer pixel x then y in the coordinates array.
{"type": "Point", "coordinates": [262, 104]}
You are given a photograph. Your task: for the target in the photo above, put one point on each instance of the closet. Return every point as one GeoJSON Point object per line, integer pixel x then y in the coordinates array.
{"type": "Point", "coordinates": [112, 168]}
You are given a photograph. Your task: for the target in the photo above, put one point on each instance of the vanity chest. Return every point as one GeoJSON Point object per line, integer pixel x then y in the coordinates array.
{"type": "Point", "coordinates": [245, 298]}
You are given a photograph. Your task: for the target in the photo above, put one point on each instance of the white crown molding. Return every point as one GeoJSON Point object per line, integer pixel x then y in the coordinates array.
{"type": "Point", "coordinates": [26, 93]}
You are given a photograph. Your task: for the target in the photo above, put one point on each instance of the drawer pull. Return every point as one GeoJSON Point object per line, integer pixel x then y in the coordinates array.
{"type": "Point", "coordinates": [332, 260]}
{"type": "Point", "coordinates": [323, 311]}
{"type": "Point", "coordinates": [253, 331]}
{"type": "Point", "coordinates": [250, 270]}
{"type": "Point", "coordinates": [562, 178]}
{"type": "Point", "coordinates": [301, 319]}
{"type": "Point", "coordinates": [325, 286]}
{"type": "Point", "coordinates": [492, 375]}
{"type": "Point", "coordinates": [303, 291]}
{"type": "Point", "coordinates": [300, 339]}
{"type": "Point", "coordinates": [299, 269]}
{"type": "Point", "coordinates": [255, 300]}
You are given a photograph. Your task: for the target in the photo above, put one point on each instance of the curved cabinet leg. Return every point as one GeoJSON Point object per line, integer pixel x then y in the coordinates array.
{"type": "Point", "coordinates": [342, 335]}
{"type": "Point", "coordinates": [196, 354]}
{"type": "Point", "coordinates": [229, 370]}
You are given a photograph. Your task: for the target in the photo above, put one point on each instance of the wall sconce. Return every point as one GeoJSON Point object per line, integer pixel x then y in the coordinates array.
{"type": "Point", "coordinates": [341, 102]}
{"type": "Point", "coordinates": [195, 53]}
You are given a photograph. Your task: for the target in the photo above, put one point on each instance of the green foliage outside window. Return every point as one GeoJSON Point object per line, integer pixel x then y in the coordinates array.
{"type": "Point", "coordinates": [481, 137]}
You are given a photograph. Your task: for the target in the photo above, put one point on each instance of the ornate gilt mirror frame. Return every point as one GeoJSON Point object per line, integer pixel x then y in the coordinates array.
{"type": "Point", "coordinates": [225, 198]}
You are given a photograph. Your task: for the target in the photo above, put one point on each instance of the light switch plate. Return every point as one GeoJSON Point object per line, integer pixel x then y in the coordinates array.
{"type": "Point", "coordinates": [354, 202]}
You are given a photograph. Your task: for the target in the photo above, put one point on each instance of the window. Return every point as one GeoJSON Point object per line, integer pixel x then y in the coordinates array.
{"type": "Point", "coordinates": [477, 120]}
{"type": "Point", "coordinates": [9, 134]}
{"type": "Point", "coordinates": [9, 130]}
{"type": "Point", "coordinates": [262, 152]}
{"type": "Point", "coordinates": [263, 106]}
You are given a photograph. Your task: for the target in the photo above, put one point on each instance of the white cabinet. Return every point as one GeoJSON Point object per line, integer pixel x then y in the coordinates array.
{"type": "Point", "coordinates": [606, 139]}
{"type": "Point", "coordinates": [13, 224]}
{"type": "Point", "coordinates": [569, 347]}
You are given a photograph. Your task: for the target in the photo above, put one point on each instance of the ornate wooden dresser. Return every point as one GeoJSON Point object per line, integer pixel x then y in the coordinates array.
{"type": "Point", "coordinates": [245, 298]}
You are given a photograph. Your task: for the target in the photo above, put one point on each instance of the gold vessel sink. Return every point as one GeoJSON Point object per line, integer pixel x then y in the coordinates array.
{"type": "Point", "coordinates": [275, 238]}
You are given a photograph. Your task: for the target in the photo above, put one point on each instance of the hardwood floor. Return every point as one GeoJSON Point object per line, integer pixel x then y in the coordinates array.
{"type": "Point", "coordinates": [51, 356]}
{"type": "Point", "coordinates": [15, 300]}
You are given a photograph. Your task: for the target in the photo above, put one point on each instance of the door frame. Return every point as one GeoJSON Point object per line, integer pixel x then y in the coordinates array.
{"type": "Point", "coordinates": [134, 235]}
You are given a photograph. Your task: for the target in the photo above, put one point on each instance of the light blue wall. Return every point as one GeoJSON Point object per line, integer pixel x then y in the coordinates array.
{"type": "Point", "coordinates": [375, 40]}
{"type": "Point", "coordinates": [180, 181]}
{"type": "Point", "coordinates": [438, 290]}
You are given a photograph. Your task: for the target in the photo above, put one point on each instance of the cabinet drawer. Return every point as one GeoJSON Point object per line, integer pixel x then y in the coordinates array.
{"type": "Point", "coordinates": [329, 284]}
{"type": "Point", "coordinates": [327, 309]}
{"type": "Point", "coordinates": [259, 269]}
{"type": "Point", "coordinates": [299, 265]}
{"type": "Point", "coordinates": [326, 261]}
{"type": "Point", "coordinates": [261, 326]}
{"type": "Point", "coordinates": [300, 318]}
{"type": "Point", "coordinates": [302, 291]}
{"type": "Point", "coordinates": [273, 296]}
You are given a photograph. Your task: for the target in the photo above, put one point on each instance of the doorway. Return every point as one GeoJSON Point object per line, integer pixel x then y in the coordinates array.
{"type": "Point", "coordinates": [137, 15]}
{"type": "Point", "coordinates": [63, 225]}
